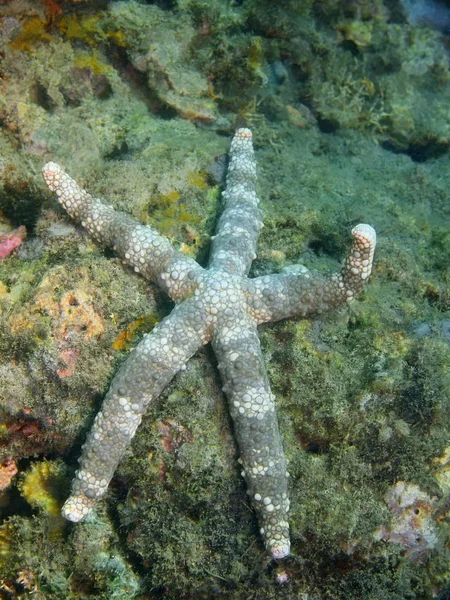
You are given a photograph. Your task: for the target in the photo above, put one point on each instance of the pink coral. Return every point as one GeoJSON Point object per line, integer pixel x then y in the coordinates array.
{"type": "Point", "coordinates": [11, 240]}
{"type": "Point", "coordinates": [412, 525]}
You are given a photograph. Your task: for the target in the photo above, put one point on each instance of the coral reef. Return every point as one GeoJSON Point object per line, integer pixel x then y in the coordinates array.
{"type": "Point", "coordinates": [348, 101]}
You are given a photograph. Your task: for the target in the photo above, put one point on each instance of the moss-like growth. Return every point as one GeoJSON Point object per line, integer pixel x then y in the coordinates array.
{"type": "Point", "coordinates": [42, 487]}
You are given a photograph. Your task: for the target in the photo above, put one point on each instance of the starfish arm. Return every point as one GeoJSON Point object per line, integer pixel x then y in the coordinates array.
{"type": "Point", "coordinates": [146, 372]}
{"type": "Point", "coordinates": [252, 408]}
{"type": "Point", "coordinates": [140, 246]}
{"type": "Point", "coordinates": [234, 245]}
{"type": "Point", "coordinates": [300, 292]}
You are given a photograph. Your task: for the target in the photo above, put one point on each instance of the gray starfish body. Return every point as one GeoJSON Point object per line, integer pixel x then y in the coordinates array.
{"type": "Point", "coordinates": [219, 304]}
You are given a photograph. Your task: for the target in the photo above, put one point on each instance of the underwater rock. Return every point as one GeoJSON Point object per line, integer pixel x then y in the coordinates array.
{"type": "Point", "coordinates": [428, 12]}
{"type": "Point", "coordinates": [161, 48]}
{"type": "Point", "coordinates": [440, 329]}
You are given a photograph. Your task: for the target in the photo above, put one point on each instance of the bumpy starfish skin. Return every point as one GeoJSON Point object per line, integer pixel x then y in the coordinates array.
{"type": "Point", "coordinates": [218, 304]}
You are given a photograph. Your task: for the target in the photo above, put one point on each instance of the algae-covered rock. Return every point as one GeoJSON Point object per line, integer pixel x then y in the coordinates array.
{"type": "Point", "coordinates": [161, 45]}
{"type": "Point", "coordinates": [394, 83]}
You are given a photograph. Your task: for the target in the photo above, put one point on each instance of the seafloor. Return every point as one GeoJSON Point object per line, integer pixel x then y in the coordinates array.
{"type": "Point", "coordinates": [348, 101]}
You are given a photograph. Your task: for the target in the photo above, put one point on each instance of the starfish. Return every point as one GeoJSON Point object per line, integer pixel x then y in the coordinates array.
{"type": "Point", "coordinates": [218, 304]}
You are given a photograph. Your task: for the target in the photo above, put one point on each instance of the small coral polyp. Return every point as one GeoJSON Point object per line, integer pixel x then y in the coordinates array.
{"type": "Point", "coordinates": [218, 304]}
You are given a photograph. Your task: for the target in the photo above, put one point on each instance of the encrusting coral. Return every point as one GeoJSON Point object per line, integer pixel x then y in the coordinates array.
{"type": "Point", "coordinates": [218, 305]}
